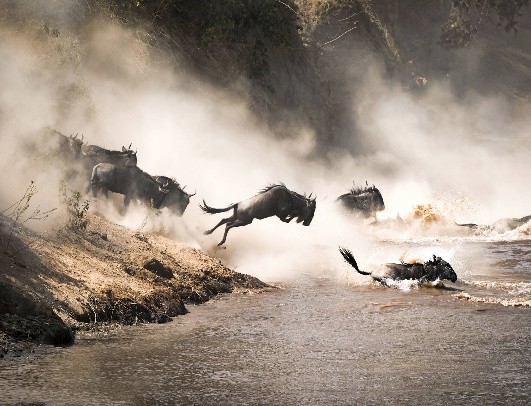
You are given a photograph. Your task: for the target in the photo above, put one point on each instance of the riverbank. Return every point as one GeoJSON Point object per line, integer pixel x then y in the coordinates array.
{"type": "Point", "coordinates": [55, 284]}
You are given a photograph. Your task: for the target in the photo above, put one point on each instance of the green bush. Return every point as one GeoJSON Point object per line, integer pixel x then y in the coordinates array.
{"type": "Point", "coordinates": [76, 210]}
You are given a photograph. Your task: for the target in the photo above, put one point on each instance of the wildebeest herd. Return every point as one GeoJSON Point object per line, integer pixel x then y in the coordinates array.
{"type": "Point", "coordinates": [117, 171]}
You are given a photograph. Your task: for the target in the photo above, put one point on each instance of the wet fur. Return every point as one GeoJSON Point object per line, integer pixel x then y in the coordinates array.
{"type": "Point", "coordinates": [428, 271]}
{"type": "Point", "coordinates": [365, 201]}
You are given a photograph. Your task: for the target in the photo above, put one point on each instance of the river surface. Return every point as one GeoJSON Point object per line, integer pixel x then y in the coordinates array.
{"type": "Point", "coordinates": [318, 340]}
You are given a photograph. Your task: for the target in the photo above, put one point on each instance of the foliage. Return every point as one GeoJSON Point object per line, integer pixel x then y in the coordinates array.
{"type": "Point", "coordinates": [77, 211]}
{"type": "Point", "coordinates": [20, 214]}
{"type": "Point", "coordinates": [243, 28]}
{"type": "Point", "coordinates": [460, 28]}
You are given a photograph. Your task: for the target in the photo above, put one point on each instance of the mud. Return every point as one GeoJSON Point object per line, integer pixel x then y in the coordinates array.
{"type": "Point", "coordinates": [66, 280]}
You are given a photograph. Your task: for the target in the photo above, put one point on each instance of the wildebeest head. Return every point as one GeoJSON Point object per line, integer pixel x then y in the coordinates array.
{"type": "Point", "coordinates": [377, 202]}
{"type": "Point", "coordinates": [311, 205]}
{"type": "Point", "coordinates": [129, 156]}
{"type": "Point", "coordinates": [74, 145]}
{"type": "Point", "coordinates": [176, 200]}
{"type": "Point", "coordinates": [363, 200]}
{"type": "Point", "coordinates": [438, 268]}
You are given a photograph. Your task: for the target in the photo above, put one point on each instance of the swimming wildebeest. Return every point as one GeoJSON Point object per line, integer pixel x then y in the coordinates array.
{"type": "Point", "coordinates": [129, 181]}
{"type": "Point", "coordinates": [274, 200]}
{"type": "Point", "coordinates": [431, 270]}
{"type": "Point", "coordinates": [363, 200]}
{"type": "Point", "coordinates": [176, 200]}
{"type": "Point", "coordinates": [500, 226]}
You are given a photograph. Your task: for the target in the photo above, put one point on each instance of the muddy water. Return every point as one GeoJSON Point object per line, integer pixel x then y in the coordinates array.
{"type": "Point", "coordinates": [316, 341]}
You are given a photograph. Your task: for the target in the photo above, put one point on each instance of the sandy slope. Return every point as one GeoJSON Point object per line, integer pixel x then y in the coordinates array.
{"type": "Point", "coordinates": [50, 284]}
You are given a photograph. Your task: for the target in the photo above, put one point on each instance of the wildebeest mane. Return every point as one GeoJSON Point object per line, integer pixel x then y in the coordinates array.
{"type": "Point", "coordinates": [296, 200]}
{"type": "Point", "coordinates": [96, 153]}
{"type": "Point", "coordinates": [282, 185]}
{"type": "Point", "coordinates": [358, 190]}
{"type": "Point", "coordinates": [271, 186]}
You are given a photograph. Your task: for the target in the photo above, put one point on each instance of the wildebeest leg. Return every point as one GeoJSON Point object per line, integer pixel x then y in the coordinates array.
{"type": "Point", "coordinates": [286, 219]}
{"type": "Point", "coordinates": [237, 223]}
{"type": "Point", "coordinates": [127, 200]}
{"type": "Point", "coordinates": [95, 189]}
{"type": "Point", "coordinates": [219, 224]}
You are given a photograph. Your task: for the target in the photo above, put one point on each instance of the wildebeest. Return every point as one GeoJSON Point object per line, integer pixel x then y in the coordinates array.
{"type": "Point", "coordinates": [274, 200]}
{"type": "Point", "coordinates": [429, 271]}
{"type": "Point", "coordinates": [93, 155]}
{"type": "Point", "coordinates": [129, 181]}
{"type": "Point", "coordinates": [57, 145]}
{"type": "Point", "coordinates": [500, 226]}
{"type": "Point", "coordinates": [365, 201]}
{"type": "Point", "coordinates": [176, 200]}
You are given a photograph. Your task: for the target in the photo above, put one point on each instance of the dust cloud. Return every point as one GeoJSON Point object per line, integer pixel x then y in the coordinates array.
{"type": "Point", "coordinates": [115, 90]}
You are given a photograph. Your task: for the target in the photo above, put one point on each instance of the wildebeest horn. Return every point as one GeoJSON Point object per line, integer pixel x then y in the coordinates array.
{"type": "Point", "coordinates": [309, 197]}
{"type": "Point", "coordinates": [193, 194]}
{"type": "Point", "coordinates": [129, 147]}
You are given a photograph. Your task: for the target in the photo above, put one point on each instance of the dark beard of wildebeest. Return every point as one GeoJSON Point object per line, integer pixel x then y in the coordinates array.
{"type": "Point", "coordinates": [92, 155]}
{"type": "Point", "coordinates": [274, 200]}
{"type": "Point", "coordinates": [432, 270]}
{"type": "Point", "coordinates": [365, 201]}
{"type": "Point", "coordinates": [176, 200]}
{"type": "Point", "coordinates": [129, 181]}
{"type": "Point", "coordinates": [500, 226]}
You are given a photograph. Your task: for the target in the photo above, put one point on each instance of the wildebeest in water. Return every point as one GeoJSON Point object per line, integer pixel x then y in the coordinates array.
{"type": "Point", "coordinates": [129, 181]}
{"type": "Point", "coordinates": [500, 226]}
{"type": "Point", "coordinates": [363, 200]}
{"type": "Point", "coordinates": [274, 200]}
{"type": "Point", "coordinates": [429, 271]}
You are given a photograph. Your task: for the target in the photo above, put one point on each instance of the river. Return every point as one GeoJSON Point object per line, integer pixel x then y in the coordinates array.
{"type": "Point", "coordinates": [317, 340]}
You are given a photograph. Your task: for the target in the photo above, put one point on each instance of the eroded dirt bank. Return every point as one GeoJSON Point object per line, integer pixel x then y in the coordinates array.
{"type": "Point", "coordinates": [51, 286]}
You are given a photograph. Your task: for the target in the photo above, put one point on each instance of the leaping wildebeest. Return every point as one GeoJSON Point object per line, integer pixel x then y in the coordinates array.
{"type": "Point", "coordinates": [363, 200]}
{"type": "Point", "coordinates": [429, 271]}
{"type": "Point", "coordinates": [274, 200]}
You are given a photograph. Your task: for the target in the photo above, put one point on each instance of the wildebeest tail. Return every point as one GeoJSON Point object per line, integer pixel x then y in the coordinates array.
{"type": "Point", "coordinates": [212, 210]}
{"type": "Point", "coordinates": [350, 259]}
{"type": "Point", "coordinates": [469, 225]}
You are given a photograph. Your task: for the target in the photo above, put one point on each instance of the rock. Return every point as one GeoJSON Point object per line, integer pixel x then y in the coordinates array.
{"type": "Point", "coordinates": [158, 268]}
